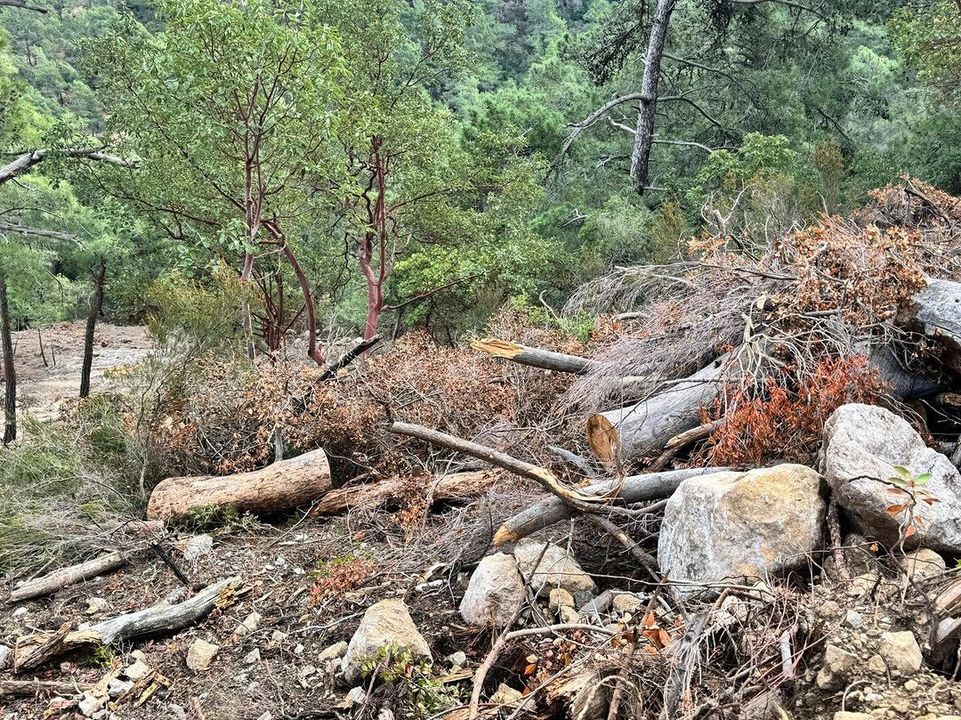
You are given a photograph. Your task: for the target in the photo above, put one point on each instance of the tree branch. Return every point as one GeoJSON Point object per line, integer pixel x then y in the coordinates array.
{"type": "Point", "coordinates": [38, 232]}
{"type": "Point", "coordinates": [23, 6]}
{"type": "Point", "coordinates": [29, 158]}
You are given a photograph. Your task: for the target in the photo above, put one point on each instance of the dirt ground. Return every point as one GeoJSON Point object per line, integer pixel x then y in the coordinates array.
{"type": "Point", "coordinates": [45, 380]}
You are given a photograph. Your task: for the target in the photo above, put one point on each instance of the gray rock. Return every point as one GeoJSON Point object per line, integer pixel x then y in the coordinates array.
{"type": "Point", "coordinates": [901, 652]}
{"type": "Point", "coordinates": [196, 547]}
{"type": "Point", "coordinates": [96, 605]}
{"type": "Point", "coordinates": [494, 592]}
{"type": "Point", "coordinates": [357, 695]}
{"type": "Point", "coordinates": [626, 603]}
{"type": "Point", "coordinates": [333, 652]}
{"type": "Point", "coordinates": [922, 563]}
{"type": "Point", "coordinates": [937, 308]}
{"type": "Point", "coordinates": [385, 623]}
{"type": "Point", "coordinates": [556, 569]}
{"type": "Point", "coordinates": [249, 624]}
{"type": "Point", "coordinates": [6, 657]}
{"type": "Point", "coordinates": [201, 654]}
{"type": "Point", "coordinates": [835, 667]}
{"type": "Point", "coordinates": [117, 687]}
{"type": "Point", "coordinates": [458, 659]}
{"type": "Point", "coordinates": [137, 670]}
{"type": "Point", "coordinates": [252, 657]}
{"type": "Point", "coordinates": [735, 524]}
{"type": "Point", "coordinates": [90, 705]}
{"type": "Point", "coordinates": [864, 441]}
{"type": "Point", "coordinates": [559, 598]}
{"type": "Point", "coordinates": [506, 695]}
{"type": "Point", "coordinates": [853, 619]}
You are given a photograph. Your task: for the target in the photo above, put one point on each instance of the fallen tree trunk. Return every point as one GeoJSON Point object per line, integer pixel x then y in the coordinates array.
{"type": "Point", "coordinates": [284, 485]}
{"type": "Point", "coordinates": [35, 650]}
{"type": "Point", "coordinates": [645, 428]}
{"type": "Point", "coordinates": [59, 579]}
{"type": "Point", "coordinates": [455, 487]}
{"type": "Point", "coordinates": [636, 488]}
{"type": "Point", "coordinates": [936, 311]}
{"type": "Point", "coordinates": [534, 357]}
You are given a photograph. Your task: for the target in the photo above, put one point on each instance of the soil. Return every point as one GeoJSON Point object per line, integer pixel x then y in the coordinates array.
{"type": "Point", "coordinates": [46, 380]}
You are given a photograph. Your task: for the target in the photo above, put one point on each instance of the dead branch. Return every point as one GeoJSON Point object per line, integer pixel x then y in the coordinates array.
{"type": "Point", "coordinates": [25, 161]}
{"type": "Point", "coordinates": [59, 579]}
{"type": "Point", "coordinates": [449, 488]}
{"type": "Point", "coordinates": [348, 357]}
{"type": "Point", "coordinates": [534, 357]}
{"type": "Point", "coordinates": [636, 488]}
{"type": "Point", "coordinates": [34, 688]}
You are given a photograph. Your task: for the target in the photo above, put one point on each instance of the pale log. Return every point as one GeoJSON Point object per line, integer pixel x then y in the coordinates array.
{"type": "Point", "coordinates": [285, 485]}
{"type": "Point", "coordinates": [533, 357]}
{"type": "Point", "coordinates": [58, 579]}
{"type": "Point", "coordinates": [449, 488]}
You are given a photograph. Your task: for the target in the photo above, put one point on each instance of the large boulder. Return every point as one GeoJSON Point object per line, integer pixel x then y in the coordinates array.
{"type": "Point", "coordinates": [862, 444]}
{"type": "Point", "coordinates": [494, 592]}
{"type": "Point", "coordinates": [741, 524]}
{"type": "Point", "coordinates": [556, 569]}
{"type": "Point", "coordinates": [385, 624]}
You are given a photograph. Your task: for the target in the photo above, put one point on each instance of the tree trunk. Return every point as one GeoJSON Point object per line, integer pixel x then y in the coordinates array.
{"type": "Point", "coordinates": [9, 371]}
{"type": "Point", "coordinates": [456, 487]}
{"type": "Point", "coordinates": [96, 306]}
{"type": "Point", "coordinates": [534, 357]}
{"type": "Point", "coordinates": [282, 486]}
{"type": "Point", "coordinates": [644, 132]}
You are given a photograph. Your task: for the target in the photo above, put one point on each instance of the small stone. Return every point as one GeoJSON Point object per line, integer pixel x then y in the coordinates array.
{"type": "Point", "coordinates": [626, 603]}
{"type": "Point", "coordinates": [277, 638]}
{"type": "Point", "coordinates": [201, 654]}
{"type": "Point", "coordinates": [836, 664]}
{"type": "Point", "coordinates": [117, 687]}
{"type": "Point", "coordinates": [559, 598]}
{"type": "Point", "coordinates": [249, 624]}
{"type": "Point", "coordinates": [852, 716]}
{"type": "Point", "coordinates": [911, 685]}
{"type": "Point", "coordinates": [137, 671]}
{"type": "Point", "coordinates": [555, 569]}
{"type": "Point", "coordinates": [853, 619]}
{"type": "Point", "coordinates": [5, 657]}
{"type": "Point", "coordinates": [876, 665]}
{"type": "Point", "coordinates": [568, 615]}
{"type": "Point", "coordinates": [385, 714]}
{"type": "Point", "coordinates": [177, 711]}
{"type": "Point", "coordinates": [921, 564]}
{"type": "Point", "coordinates": [901, 652]}
{"type": "Point", "coordinates": [19, 612]}
{"type": "Point", "coordinates": [298, 649]}
{"type": "Point", "coordinates": [252, 657]}
{"type": "Point", "coordinates": [266, 716]}
{"type": "Point", "coordinates": [90, 705]}
{"type": "Point", "coordinates": [96, 606]}
{"type": "Point", "coordinates": [196, 547]}
{"type": "Point", "coordinates": [357, 695]}
{"type": "Point", "coordinates": [506, 695]}
{"type": "Point", "coordinates": [138, 655]}
{"type": "Point", "coordinates": [333, 652]}
{"type": "Point", "coordinates": [494, 592]}
{"type": "Point", "coordinates": [458, 659]}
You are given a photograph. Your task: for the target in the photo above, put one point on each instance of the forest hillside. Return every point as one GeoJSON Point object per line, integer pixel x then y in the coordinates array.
{"type": "Point", "coordinates": [581, 359]}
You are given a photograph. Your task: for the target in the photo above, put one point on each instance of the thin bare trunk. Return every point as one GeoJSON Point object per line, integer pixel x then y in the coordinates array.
{"type": "Point", "coordinates": [96, 305]}
{"type": "Point", "coordinates": [644, 132]}
{"type": "Point", "coordinates": [9, 371]}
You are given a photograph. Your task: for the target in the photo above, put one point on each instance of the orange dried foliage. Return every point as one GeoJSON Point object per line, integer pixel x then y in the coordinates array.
{"type": "Point", "coordinates": [786, 423]}
{"type": "Point", "coordinates": [340, 576]}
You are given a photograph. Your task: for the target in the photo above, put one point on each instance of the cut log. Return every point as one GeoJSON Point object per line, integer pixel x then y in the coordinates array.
{"type": "Point", "coordinates": [534, 357]}
{"type": "Point", "coordinates": [285, 485]}
{"type": "Point", "coordinates": [35, 650]}
{"type": "Point", "coordinates": [636, 488]}
{"type": "Point", "coordinates": [456, 487]}
{"type": "Point", "coordinates": [58, 579]}
{"type": "Point", "coordinates": [644, 428]}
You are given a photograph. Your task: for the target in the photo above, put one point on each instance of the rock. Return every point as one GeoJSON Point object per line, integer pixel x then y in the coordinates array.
{"type": "Point", "coordinates": [626, 603]}
{"type": "Point", "coordinates": [298, 649]}
{"type": "Point", "coordinates": [249, 624]}
{"type": "Point", "coordinates": [96, 605]}
{"type": "Point", "coordinates": [137, 671]}
{"type": "Point", "coordinates": [277, 638]}
{"type": "Point", "coordinates": [836, 665]}
{"type": "Point", "coordinates": [196, 547]}
{"type": "Point", "coordinates": [201, 654]}
{"type": "Point", "coordinates": [458, 659]}
{"type": "Point", "coordinates": [138, 655]}
{"type": "Point", "coordinates": [494, 592]}
{"type": "Point", "coordinates": [864, 440]}
{"type": "Point", "coordinates": [90, 705]}
{"type": "Point", "coordinates": [568, 615]}
{"type": "Point", "coordinates": [118, 687]}
{"type": "Point", "coordinates": [385, 623]}
{"type": "Point", "coordinates": [357, 696]}
{"type": "Point", "coordinates": [252, 657]}
{"type": "Point", "coordinates": [922, 563]}
{"type": "Point", "coordinates": [6, 657]}
{"type": "Point", "coordinates": [333, 652]}
{"type": "Point", "coordinates": [506, 695]}
{"type": "Point", "coordinates": [876, 666]}
{"type": "Point", "coordinates": [901, 652]}
{"type": "Point", "coordinates": [178, 711]}
{"type": "Point", "coordinates": [841, 715]}
{"type": "Point", "coordinates": [385, 714]}
{"type": "Point", "coordinates": [734, 524]}
{"type": "Point", "coordinates": [911, 685]}
{"type": "Point", "coordinates": [559, 598]}
{"type": "Point", "coordinates": [556, 569]}
{"type": "Point", "coordinates": [853, 619]}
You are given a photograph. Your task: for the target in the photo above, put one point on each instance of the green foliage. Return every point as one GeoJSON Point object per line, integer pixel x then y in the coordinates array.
{"type": "Point", "coordinates": [929, 36]}
{"type": "Point", "coordinates": [416, 692]}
